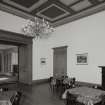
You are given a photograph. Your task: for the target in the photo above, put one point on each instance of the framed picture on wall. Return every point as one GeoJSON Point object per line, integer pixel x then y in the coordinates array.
{"type": "Point", "coordinates": [82, 59]}
{"type": "Point", "coordinates": [43, 61]}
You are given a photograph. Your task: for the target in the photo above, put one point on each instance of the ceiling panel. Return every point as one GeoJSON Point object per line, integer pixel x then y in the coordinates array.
{"type": "Point", "coordinates": [68, 2]}
{"type": "Point", "coordinates": [101, 0]}
{"type": "Point", "coordinates": [23, 5]}
{"type": "Point", "coordinates": [27, 4]}
{"type": "Point", "coordinates": [81, 5]}
{"type": "Point", "coordinates": [55, 11]}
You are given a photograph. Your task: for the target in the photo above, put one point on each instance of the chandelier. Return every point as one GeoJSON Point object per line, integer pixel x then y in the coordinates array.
{"type": "Point", "coordinates": [37, 28]}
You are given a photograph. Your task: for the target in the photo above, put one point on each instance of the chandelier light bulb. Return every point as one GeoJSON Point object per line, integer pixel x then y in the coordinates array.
{"type": "Point", "coordinates": [37, 28]}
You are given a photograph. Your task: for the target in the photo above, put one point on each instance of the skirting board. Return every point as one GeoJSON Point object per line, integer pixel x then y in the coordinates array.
{"type": "Point", "coordinates": [40, 81]}
{"type": "Point", "coordinates": [80, 83]}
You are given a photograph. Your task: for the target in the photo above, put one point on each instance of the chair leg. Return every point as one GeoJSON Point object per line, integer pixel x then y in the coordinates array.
{"type": "Point", "coordinates": [52, 88]}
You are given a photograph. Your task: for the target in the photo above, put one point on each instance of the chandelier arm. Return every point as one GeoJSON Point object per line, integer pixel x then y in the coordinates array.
{"type": "Point", "coordinates": [37, 28]}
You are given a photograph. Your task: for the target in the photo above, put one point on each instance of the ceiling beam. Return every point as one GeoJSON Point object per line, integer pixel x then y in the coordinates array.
{"type": "Point", "coordinates": [80, 15]}
{"type": "Point", "coordinates": [57, 2]}
{"type": "Point", "coordinates": [15, 12]}
{"type": "Point", "coordinates": [94, 2]}
{"type": "Point", "coordinates": [70, 5]}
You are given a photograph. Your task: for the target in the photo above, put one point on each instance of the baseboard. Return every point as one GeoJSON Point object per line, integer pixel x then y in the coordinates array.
{"type": "Point", "coordinates": [40, 81]}
{"type": "Point", "coordinates": [80, 83]}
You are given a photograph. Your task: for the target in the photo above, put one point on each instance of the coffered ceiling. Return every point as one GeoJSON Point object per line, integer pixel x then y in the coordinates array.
{"type": "Point", "coordinates": [57, 12]}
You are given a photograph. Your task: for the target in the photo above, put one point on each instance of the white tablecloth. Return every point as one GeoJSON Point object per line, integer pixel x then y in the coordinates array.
{"type": "Point", "coordinates": [86, 94]}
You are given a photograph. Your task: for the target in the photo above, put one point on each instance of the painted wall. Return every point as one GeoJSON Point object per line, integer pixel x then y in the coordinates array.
{"type": "Point", "coordinates": [41, 49]}
{"type": "Point", "coordinates": [11, 22]}
{"type": "Point", "coordinates": [86, 35]}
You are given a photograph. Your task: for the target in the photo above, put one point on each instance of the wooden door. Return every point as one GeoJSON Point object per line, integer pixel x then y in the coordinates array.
{"type": "Point", "coordinates": [60, 61]}
{"type": "Point", "coordinates": [25, 64]}
{"type": "Point", "coordinates": [103, 76]}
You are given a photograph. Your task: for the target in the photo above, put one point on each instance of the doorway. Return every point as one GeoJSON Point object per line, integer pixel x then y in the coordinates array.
{"type": "Point", "coordinates": [60, 61]}
{"type": "Point", "coordinates": [24, 44]}
{"type": "Point", "coordinates": [9, 62]}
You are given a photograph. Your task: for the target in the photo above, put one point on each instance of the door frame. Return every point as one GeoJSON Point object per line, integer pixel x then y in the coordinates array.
{"type": "Point", "coordinates": [60, 47]}
{"type": "Point", "coordinates": [11, 38]}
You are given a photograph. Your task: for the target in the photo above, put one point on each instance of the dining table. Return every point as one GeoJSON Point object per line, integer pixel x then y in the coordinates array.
{"type": "Point", "coordinates": [86, 95]}
{"type": "Point", "coordinates": [5, 97]}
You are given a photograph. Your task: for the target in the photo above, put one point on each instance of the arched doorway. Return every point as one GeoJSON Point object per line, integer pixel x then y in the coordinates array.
{"type": "Point", "coordinates": [24, 44]}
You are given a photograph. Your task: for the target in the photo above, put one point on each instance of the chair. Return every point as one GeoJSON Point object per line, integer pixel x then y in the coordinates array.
{"type": "Point", "coordinates": [12, 99]}
{"type": "Point", "coordinates": [50, 79]}
{"type": "Point", "coordinates": [5, 89]}
{"type": "Point", "coordinates": [70, 99]}
{"type": "Point", "coordinates": [95, 86]}
{"type": "Point", "coordinates": [103, 100]}
{"type": "Point", "coordinates": [15, 100]}
{"type": "Point", "coordinates": [69, 83]}
{"type": "Point", "coordinates": [64, 76]}
{"type": "Point", "coordinates": [73, 82]}
{"type": "Point", "coordinates": [66, 84]}
{"type": "Point", "coordinates": [53, 84]}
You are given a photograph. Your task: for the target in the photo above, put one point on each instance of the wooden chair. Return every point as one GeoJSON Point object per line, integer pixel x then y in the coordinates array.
{"type": "Point", "coordinates": [103, 100]}
{"type": "Point", "coordinates": [65, 85]}
{"type": "Point", "coordinates": [69, 83]}
{"type": "Point", "coordinates": [73, 82]}
{"type": "Point", "coordinates": [53, 84]}
{"type": "Point", "coordinates": [70, 99]}
{"type": "Point", "coordinates": [5, 89]}
{"type": "Point", "coordinates": [15, 100]}
{"type": "Point", "coordinates": [12, 99]}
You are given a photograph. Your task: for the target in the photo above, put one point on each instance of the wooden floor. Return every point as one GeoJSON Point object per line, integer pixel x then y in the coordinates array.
{"type": "Point", "coordinates": [39, 94]}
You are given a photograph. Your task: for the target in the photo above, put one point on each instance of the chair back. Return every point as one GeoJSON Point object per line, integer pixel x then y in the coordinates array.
{"type": "Point", "coordinates": [64, 76]}
{"type": "Point", "coordinates": [103, 100]}
{"type": "Point", "coordinates": [12, 99]}
{"type": "Point", "coordinates": [5, 89]}
{"type": "Point", "coordinates": [50, 79]}
{"type": "Point", "coordinates": [53, 81]}
{"type": "Point", "coordinates": [71, 99]}
{"type": "Point", "coordinates": [71, 96]}
{"type": "Point", "coordinates": [16, 100]}
{"type": "Point", "coordinates": [72, 82]}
